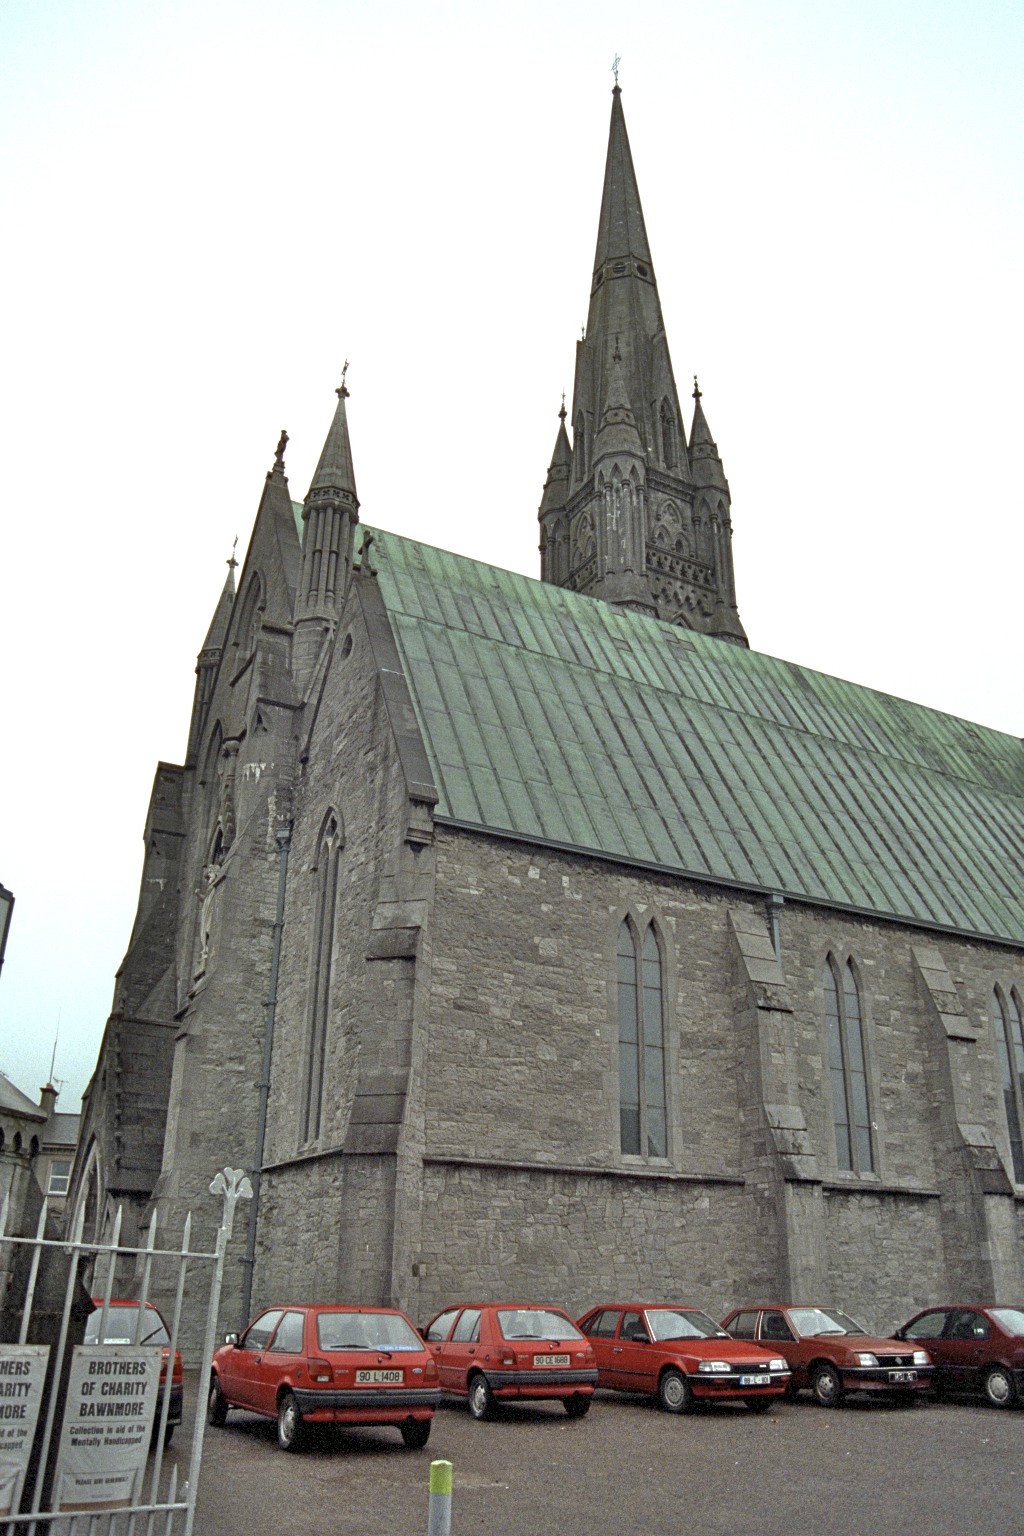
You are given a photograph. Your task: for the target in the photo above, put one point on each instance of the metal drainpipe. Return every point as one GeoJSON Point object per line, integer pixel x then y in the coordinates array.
{"type": "Point", "coordinates": [284, 837]}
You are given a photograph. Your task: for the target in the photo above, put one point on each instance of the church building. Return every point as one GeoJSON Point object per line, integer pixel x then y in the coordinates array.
{"type": "Point", "coordinates": [540, 938]}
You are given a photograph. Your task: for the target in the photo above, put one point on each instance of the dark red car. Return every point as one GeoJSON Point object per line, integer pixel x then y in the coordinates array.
{"type": "Point", "coordinates": [304, 1365]}
{"type": "Point", "coordinates": [491, 1353]}
{"type": "Point", "coordinates": [831, 1354]}
{"type": "Point", "coordinates": [680, 1355]}
{"type": "Point", "coordinates": [122, 1324]}
{"type": "Point", "coordinates": [974, 1348]}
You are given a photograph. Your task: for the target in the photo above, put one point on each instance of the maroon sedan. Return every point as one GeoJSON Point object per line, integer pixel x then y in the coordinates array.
{"type": "Point", "coordinates": [975, 1349]}
{"type": "Point", "coordinates": [831, 1354]}
{"type": "Point", "coordinates": [679, 1355]}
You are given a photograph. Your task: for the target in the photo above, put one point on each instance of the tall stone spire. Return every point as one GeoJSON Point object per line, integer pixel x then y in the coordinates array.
{"type": "Point", "coordinates": [631, 526]}
{"type": "Point", "coordinates": [553, 535]}
{"type": "Point", "coordinates": [209, 657]}
{"type": "Point", "coordinates": [329, 515]}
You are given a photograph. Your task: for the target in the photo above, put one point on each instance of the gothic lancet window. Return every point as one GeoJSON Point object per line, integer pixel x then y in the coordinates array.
{"type": "Point", "coordinates": [325, 876]}
{"type": "Point", "coordinates": [1006, 1022]}
{"type": "Point", "coordinates": [669, 444]}
{"type": "Point", "coordinates": [579, 445]}
{"type": "Point", "coordinates": [850, 1108]}
{"type": "Point", "coordinates": [643, 1123]}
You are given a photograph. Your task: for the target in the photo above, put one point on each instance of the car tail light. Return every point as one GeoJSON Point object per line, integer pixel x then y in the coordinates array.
{"type": "Point", "coordinates": [508, 1360]}
{"type": "Point", "coordinates": [430, 1369]}
{"type": "Point", "coordinates": [319, 1370]}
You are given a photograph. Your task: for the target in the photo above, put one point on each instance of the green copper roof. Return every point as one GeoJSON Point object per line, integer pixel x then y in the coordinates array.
{"type": "Point", "coordinates": [555, 718]}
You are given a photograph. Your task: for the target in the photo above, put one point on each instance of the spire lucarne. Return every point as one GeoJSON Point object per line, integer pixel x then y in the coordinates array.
{"type": "Point", "coordinates": [627, 515]}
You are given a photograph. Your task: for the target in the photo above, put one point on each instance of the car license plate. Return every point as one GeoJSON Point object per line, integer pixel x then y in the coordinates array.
{"type": "Point", "coordinates": [551, 1359]}
{"type": "Point", "coordinates": [754, 1381]}
{"type": "Point", "coordinates": [902, 1375]}
{"type": "Point", "coordinates": [379, 1378]}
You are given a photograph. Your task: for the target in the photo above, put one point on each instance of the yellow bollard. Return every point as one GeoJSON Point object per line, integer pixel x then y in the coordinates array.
{"type": "Point", "coordinates": [439, 1520]}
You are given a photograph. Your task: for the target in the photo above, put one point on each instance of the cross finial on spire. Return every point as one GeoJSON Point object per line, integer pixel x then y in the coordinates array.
{"type": "Point", "coordinates": [282, 444]}
{"type": "Point", "coordinates": [696, 388]}
{"type": "Point", "coordinates": [615, 69]}
{"type": "Point", "coordinates": [232, 562]}
{"type": "Point", "coordinates": [342, 389]}
{"type": "Point", "coordinates": [561, 414]}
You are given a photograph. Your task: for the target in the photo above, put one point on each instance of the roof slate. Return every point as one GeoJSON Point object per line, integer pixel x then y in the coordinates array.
{"type": "Point", "coordinates": [555, 718]}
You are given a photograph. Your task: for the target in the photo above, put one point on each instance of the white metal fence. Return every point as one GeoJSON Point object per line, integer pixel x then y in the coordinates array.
{"type": "Point", "coordinates": [75, 1459]}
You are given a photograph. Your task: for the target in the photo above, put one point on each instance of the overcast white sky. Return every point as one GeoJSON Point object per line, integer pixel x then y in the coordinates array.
{"type": "Point", "coordinates": [209, 206]}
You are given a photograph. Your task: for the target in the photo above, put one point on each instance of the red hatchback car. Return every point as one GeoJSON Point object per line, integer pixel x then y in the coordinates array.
{"type": "Point", "coordinates": [493, 1353]}
{"type": "Point", "coordinates": [680, 1356]}
{"type": "Point", "coordinates": [975, 1349]}
{"type": "Point", "coordinates": [829, 1353]}
{"type": "Point", "coordinates": [122, 1325]}
{"type": "Point", "coordinates": [327, 1365]}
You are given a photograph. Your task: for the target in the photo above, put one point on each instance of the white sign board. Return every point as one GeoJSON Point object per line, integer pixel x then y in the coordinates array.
{"type": "Point", "coordinates": [22, 1371]}
{"type": "Point", "coordinates": [108, 1420]}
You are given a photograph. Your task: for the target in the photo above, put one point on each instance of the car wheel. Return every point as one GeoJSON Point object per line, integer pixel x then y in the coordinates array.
{"type": "Point", "coordinates": [674, 1392]}
{"type": "Point", "coordinates": [999, 1388]}
{"type": "Point", "coordinates": [481, 1398]}
{"type": "Point", "coordinates": [216, 1405]}
{"type": "Point", "coordinates": [416, 1433]}
{"type": "Point", "coordinates": [289, 1424]}
{"type": "Point", "coordinates": [577, 1406]}
{"type": "Point", "coordinates": [826, 1386]}
{"type": "Point", "coordinates": [758, 1404]}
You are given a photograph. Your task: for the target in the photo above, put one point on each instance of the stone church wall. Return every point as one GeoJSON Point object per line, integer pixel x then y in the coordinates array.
{"type": "Point", "coordinates": [570, 1237]}
{"type": "Point", "coordinates": [521, 1070]}
{"type": "Point", "coordinates": [328, 1206]}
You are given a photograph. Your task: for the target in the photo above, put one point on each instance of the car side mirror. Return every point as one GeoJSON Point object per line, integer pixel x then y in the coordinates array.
{"type": "Point", "coordinates": [899, 1333]}
{"type": "Point", "coordinates": [231, 1338]}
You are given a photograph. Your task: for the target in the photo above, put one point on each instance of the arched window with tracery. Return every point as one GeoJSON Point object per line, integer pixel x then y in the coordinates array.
{"type": "Point", "coordinates": [851, 1111]}
{"type": "Point", "coordinates": [325, 876]}
{"type": "Point", "coordinates": [643, 1119]}
{"type": "Point", "coordinates": [1006, 1023]}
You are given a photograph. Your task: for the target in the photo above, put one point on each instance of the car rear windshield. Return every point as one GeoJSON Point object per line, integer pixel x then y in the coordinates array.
{"type": "Point", "coordinates": [365, 1330]}
{"type": "Point", "coordinates": [535, 1323]}
{"type": "Point", "coordinates": [666, 1323]}
{"type": "Point", "coordinates": [1010, 1318]}
{"type": "Point", "coordinates": [122, 1327]}
{"type": "Point", "coordinates": [811, 1322]}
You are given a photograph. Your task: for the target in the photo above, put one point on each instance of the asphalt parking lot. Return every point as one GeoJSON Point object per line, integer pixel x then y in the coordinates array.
{"type": "Point", "coordinates": [868, 1468]}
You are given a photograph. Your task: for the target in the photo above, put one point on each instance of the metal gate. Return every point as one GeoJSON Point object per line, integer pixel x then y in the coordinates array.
{"type": "Point", "coordinates": [147, 1496]}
